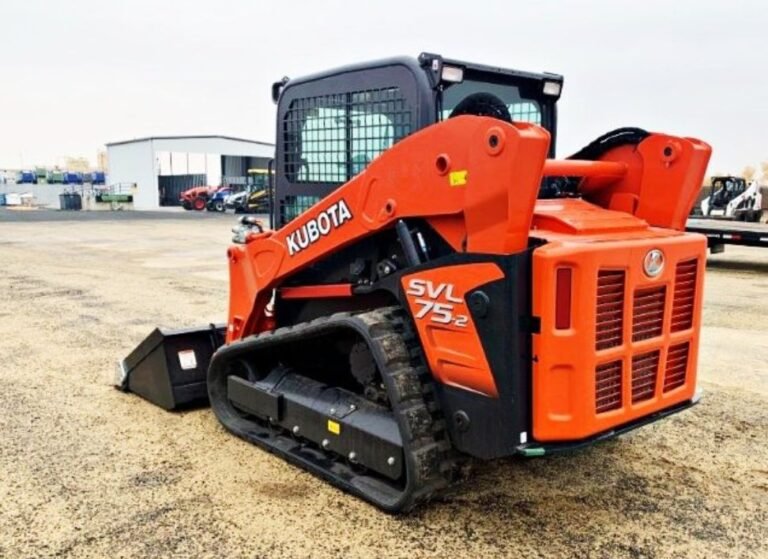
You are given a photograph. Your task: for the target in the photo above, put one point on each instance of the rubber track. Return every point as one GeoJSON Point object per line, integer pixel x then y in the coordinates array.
{"type": "Point", "coordinates": [431, 464]}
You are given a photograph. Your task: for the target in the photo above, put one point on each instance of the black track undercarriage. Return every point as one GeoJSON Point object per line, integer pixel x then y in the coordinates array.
{"type": "Point", "coordinates": [376, 432]}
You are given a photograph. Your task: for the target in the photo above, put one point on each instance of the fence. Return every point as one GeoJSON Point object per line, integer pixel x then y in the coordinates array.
{"type": "Point", "coordinates": [94, 197]}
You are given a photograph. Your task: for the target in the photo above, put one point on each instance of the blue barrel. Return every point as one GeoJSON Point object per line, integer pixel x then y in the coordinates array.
{"type": "Point", "coordinates": [2, 199]}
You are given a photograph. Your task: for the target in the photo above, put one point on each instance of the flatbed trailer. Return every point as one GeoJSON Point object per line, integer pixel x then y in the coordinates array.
{"type": "Point", "coordinates": [721, 232]}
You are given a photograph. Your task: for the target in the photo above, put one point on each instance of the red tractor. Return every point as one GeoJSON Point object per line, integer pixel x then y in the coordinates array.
{"type": "Point", "coordinates": [196, 198]}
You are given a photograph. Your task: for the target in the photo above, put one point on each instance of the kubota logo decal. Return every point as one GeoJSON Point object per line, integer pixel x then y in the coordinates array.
{"type": "Point", "coordinates": [332, 217]}
{"type": "Point", "coordinates": [437, 302]}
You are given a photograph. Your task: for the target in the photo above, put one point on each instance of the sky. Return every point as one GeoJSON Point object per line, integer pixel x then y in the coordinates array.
{"type": "Point", "coordinates": [75, 75]}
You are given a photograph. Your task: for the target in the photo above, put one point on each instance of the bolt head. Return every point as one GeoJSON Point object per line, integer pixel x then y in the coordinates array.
{"type": "Point", "coordinates": [352, 456]}
{"type": "Point", "coordinates": [295, 429]}
{"type": "Point", "coordinates": [461, 420]}
{"type": "Point", "coordinates": [333, 411]}
{"type": "Point", "coordinates": [326, 443]}
{"type": "Point", "coordinates": [391, 461]}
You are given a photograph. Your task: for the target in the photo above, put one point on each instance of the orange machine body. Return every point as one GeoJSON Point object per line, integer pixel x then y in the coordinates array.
{"type": "Point", "coordinates": [630, 343]}
{"type": "Point", "coordinates": [454, 351]}
{"type": "Point", "coordinates": [630, 346]}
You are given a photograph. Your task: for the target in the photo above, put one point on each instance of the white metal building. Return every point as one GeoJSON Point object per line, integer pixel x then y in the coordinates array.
{"type": "Point", "coordinates": [157, 169]}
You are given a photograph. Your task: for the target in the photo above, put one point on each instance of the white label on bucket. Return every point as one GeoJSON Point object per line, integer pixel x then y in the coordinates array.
{"type": "Point", "coordinates": [187, 359]}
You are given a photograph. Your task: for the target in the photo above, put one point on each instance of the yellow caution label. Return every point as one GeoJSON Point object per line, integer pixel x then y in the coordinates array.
{"type": "Point", "coordinates": [334, 427]}
{"type": "Point", "coordinates": [457, 178]}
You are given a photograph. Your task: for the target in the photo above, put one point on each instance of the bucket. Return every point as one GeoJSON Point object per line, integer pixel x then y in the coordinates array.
{"type": "Point", "coordinates": [169, 368]}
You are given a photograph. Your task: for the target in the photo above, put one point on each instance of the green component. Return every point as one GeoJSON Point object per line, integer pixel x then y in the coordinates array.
{"type": "Point", "coordinates": [533, 452]}
{"type": "Point", "coordinates": [116, 198]}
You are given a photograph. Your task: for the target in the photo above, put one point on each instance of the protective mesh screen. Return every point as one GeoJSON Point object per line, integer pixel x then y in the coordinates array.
{"type": "Point", "coordinates": [292, 206]}
{"type": "Point", "coordinates": [331, 138]}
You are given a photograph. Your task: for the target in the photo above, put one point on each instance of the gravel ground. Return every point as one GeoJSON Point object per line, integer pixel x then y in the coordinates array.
{"type": "Point", "coordinates": [86, 471]}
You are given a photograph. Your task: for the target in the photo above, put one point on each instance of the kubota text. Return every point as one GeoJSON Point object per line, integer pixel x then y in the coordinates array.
{"type": "Point", "coordinates": [332, 217]}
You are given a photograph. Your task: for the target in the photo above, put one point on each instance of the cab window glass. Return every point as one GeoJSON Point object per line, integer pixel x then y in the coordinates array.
{"type": "Point", "coordinates": [331, 138]}
{"type": "Point", "coordinates": [521, 108]}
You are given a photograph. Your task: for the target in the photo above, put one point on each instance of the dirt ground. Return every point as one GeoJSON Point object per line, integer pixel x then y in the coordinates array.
{"type": "Point", "coordinates": [87, 471]}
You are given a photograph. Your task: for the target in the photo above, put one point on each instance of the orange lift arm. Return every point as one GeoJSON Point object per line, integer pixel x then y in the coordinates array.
{"type": "Point", "coordinates": [475, 180]}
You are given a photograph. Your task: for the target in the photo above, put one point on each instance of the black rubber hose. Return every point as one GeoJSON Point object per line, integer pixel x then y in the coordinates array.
{"type": "Point", "coordinates": [406, 241]}
{"type": "Point", "coordinates": [610, 140]}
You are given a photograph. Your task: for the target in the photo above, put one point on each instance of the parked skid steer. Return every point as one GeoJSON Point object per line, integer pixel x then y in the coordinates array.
{"type": "Point", "coordinates": [437, 287]}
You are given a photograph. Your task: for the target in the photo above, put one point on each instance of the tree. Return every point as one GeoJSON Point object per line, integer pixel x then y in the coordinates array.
{"type": "Point", "coordinates": [764, 169]}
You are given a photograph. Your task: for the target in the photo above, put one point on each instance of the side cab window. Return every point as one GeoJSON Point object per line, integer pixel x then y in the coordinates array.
{"type": "Point", "coordinates": [331, 127]}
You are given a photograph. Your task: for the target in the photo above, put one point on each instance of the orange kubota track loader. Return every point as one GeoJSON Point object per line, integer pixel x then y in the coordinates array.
{"type": "Point", "coordinates": [437, 287]}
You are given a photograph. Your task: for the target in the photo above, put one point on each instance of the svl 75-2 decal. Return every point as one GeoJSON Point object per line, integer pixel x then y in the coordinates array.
{"type": "Point", "coordinates": [437, 302]}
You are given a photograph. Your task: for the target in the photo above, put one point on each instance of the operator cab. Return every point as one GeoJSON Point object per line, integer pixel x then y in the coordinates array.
{"type": "Point", "coordinates": [725, 189]}
{"type": "Point", "coordinates": [331, 125]}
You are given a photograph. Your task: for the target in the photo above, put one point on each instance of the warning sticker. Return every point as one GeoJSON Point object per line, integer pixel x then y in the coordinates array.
{"type": "Point", "coordinates": [457, 178]}
{"type": "Point", "coordinates": [187, 359]}
{"type": "Point", "coordinates": [334, 427]}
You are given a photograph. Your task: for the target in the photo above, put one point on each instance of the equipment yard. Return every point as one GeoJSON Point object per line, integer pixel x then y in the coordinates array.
{"type": "Point", "coordinates": [88, 471]}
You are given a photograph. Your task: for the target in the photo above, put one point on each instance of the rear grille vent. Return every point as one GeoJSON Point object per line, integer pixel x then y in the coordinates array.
{"type": "Point", "coordinates": [610, 309]}
{"type": "Point", "coordinates": [644, 370]}
{"type": "Point", "coordinates": [685, 293]}
{"type": "Point", "coordinates": [677, 365]}
{"type": "Point", "coordinates": [648, 313]}
{"type": "Point", "coordinates": [608, 377]}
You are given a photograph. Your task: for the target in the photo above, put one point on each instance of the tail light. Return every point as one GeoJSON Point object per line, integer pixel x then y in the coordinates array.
{"type": "Point", "coordinates": [563, 298]}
